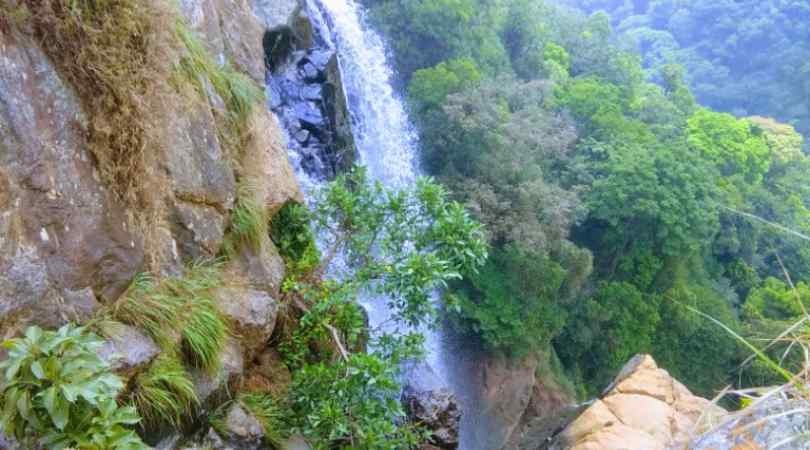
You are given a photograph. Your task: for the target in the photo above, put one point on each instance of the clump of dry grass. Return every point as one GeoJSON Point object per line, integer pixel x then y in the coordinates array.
{"type": "Point", "coordinates": [117, 56]}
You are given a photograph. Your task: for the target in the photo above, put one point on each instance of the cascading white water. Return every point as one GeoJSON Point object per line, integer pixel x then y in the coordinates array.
{"type": "Point", "coordinates": [385, 138]}
{"type": "Point", "coordinates": [387, 145]}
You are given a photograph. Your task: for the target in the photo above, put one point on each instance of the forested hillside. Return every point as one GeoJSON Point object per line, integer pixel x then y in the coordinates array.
{"type": "Point", "coordinates": [744, 57]}
{"type": "Point", "coordinates": [616, 203]}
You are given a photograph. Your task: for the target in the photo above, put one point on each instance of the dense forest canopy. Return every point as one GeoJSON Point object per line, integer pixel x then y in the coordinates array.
{"type": "Point", "coordinates": [616, 188]}
{"type": "Point", "coordinates": [745, 57]}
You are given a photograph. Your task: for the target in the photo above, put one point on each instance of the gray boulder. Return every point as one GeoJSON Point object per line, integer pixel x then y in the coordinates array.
{"type": "Point", "coordinates": [776, 421]}
{"type": "Point", "coordinates": [127, 349]}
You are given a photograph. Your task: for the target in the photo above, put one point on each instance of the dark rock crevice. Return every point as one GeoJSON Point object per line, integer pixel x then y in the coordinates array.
{"type": "Point", "coordinates": [306, 93]}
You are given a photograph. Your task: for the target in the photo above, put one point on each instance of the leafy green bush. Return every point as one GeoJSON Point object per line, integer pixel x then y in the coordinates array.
{"type": "Point", "coordinates": [776, 300]}
{"type": "Point", "coordinates": [330, 306]}
{"type": "Point", "coordinates": [58, 393]}
{"type": "Point", "coordinates": [291, 233]}
{"type": "Point", "coordinates": [400, 245]}
{"type": "Point", "coordinates": [352, 404]}
{"type": "Point", "coordinates": [606, 330]}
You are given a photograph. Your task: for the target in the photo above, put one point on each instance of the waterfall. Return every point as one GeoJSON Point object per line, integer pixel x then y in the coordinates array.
{"type": "Point", "coordinates": [387, 145]}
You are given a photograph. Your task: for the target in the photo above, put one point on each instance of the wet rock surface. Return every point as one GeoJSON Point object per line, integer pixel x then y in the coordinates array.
{"type": "Point", "coordinates": [438, 411]}
{"type": "Point", "coordinates": [305, 90]}
{"type": "Point", "coordinates": [506, 388]}
{"type": "Point", "coordinates": [128, 349]}
{"type": "Point", "coordinates": [431, 404]}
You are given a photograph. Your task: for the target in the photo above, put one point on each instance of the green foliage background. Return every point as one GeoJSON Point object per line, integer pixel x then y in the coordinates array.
{"type": "Point", "coordinates": [611, 197]}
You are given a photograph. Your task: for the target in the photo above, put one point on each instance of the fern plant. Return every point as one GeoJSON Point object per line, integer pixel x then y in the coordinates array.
{"type": "Point", "coordinates": [59, 393]}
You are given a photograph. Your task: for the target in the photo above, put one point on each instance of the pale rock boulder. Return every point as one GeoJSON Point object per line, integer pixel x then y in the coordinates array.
{"type": "Point", "coordinates": [644, 408]}
{"type": "Point", "coordinates": [127, 349]}
{"type": "Point", "coordinates": [251, 313]}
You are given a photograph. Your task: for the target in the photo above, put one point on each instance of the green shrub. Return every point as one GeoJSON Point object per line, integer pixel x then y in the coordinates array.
{"type": "Point", "coordinates": [605, 330]}
{"type": "Point", "coordinates": [351, 404]}
{"type": "Point", "coordinates": [58, 393]}
{"type": "Point", "coordinates": [776, 300]}
{"type": "Point", "coordinates": [292, 235]}
{"type": "Point", "coordinates": [332, 305]}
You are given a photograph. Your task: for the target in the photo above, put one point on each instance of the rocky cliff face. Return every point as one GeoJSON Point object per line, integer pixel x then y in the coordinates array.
{"type": "Point", "coordinates": [70, 245]}
{"type": "Point", "coordinates": [644, 408]}
{"type": "Point", "coordinates": [66, 244]}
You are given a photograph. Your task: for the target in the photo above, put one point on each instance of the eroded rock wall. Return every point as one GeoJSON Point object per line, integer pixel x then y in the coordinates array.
{"type": "Point", "coordinates": [66, 244]}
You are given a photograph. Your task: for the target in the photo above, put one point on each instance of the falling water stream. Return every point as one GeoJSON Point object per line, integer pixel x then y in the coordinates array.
{"type": "Point", "coordinates": [387, 145]}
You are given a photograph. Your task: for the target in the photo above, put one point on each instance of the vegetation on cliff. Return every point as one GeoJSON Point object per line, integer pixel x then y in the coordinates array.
{"type": "Point", "coordinates": [59, 393]}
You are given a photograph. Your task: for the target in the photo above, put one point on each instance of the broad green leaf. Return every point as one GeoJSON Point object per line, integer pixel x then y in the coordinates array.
{"type": "Point", "coordinates": [37, 370]}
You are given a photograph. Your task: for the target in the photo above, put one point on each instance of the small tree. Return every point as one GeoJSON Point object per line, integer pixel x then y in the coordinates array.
{"type": "Point", "coordinates": [396, 245]}
{"type": "Point", "coordinates": [59, 393]}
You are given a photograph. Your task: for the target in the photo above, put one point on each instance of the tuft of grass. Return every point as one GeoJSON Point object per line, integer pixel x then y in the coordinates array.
{"type": "Point", "coordinates": [239, 93]}
{"type": "Point", "coordinates": [179, 309]}
{"type": "Point", "coordinates": [269, 413]}
{"type": "Point", "coordinates": [164, 393]}
{"type": "Point", "coordinates": [249, 221]}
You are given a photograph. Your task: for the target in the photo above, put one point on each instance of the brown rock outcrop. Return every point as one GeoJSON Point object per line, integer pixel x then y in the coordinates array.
{"type": "Point", "coordinates": [66, 244]}
{"type": "Point", "coordinates": [644, 408]}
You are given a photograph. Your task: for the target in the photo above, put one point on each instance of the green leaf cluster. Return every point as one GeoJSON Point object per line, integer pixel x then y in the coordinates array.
{"type": "Point", "coordinates": [392, 245]}
{"type": "Point", "coordinates": [60, 394]}
{"type": "Point", "coordinates": [352, 404]}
